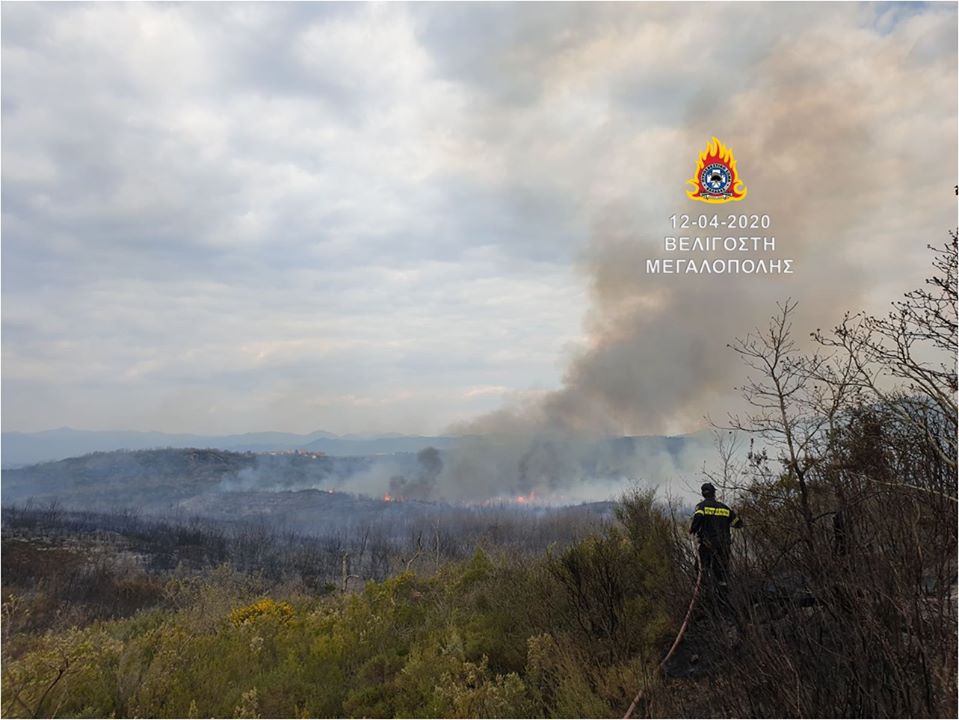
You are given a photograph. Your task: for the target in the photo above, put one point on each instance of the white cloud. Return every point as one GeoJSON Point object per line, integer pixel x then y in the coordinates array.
{"type": "Point", "coordinates": [367, 217]}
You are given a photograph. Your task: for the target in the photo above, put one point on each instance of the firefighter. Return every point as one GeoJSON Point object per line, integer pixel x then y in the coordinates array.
{"type": "Point", "coordinates": [711, 523]}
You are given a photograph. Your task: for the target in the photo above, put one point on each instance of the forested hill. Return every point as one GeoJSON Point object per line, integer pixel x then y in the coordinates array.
{"type": "Point", "coordinates": [25, 448]}
{"type": "Point", "coordinates": [307, 492]}
{"type": "Point", "coordinates": [159, 480]}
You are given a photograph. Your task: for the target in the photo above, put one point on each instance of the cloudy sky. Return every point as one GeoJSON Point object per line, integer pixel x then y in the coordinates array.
{"type": "Point", "coordinates": [367, 218]}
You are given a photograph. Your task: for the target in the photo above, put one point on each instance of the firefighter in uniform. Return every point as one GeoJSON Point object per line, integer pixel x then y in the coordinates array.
{"type": "Point", "coordinates": [711, 523]}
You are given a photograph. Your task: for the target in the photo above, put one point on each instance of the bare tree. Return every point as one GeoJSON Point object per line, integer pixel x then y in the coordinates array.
{"type": "Point", "coordinates": [857, 616]}
{"type": "Point", "coordinates": [910, 353]}
{"type": "Point", "coordinates": [792, 405]}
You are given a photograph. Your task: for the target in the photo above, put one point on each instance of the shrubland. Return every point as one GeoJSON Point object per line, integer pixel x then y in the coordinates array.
{"type": "Point", "coordinates": [843, 601]}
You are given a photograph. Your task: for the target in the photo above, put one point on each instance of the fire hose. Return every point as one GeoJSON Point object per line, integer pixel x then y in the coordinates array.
{"type": "Point", "coordinates": [679, 639]}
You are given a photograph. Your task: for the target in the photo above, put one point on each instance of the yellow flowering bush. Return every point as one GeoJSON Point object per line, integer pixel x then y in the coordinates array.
{"type": "Point", "coordinates": [265, 608]}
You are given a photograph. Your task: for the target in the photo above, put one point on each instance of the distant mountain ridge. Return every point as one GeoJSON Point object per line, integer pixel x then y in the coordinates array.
{"type": "Point", "coordinates": [18, 449]}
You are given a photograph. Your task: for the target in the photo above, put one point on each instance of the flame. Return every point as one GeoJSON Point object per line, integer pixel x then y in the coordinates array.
{"type": "Point", "coordinates": [388, 498]}
{"type": "Point", "coordinates": [716, 152]}
{"type": "Point", "coordinates": [527, 499]}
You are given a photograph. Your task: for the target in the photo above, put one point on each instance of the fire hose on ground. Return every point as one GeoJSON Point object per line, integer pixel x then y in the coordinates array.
{"type": "Point", "coordinates": [679, 639]}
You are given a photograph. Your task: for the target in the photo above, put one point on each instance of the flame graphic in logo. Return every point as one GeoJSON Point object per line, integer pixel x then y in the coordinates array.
{"type": "Point", "coordinates": [716, 179]}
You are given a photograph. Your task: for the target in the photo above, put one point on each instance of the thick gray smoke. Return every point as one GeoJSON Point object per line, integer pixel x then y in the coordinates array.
{"type": "Point", "coordinates": [851, 160]}
{"type": "Point", "coordinates": [421, 484]}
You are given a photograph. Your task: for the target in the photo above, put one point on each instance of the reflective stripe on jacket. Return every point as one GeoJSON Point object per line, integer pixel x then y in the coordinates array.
{"type": "Point", "coordinates": [711, 523]}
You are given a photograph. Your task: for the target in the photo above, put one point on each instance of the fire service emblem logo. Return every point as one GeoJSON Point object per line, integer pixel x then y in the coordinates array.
{"type": "Point", "coordinates": [715, 179]}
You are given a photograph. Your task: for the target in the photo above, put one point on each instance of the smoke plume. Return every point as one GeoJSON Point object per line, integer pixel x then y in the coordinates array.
{"type": "Point", "coordinates": [840, 163]}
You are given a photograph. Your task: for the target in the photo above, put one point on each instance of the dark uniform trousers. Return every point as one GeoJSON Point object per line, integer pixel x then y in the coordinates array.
{"type": "Point", "coordinates": [715, 563]}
